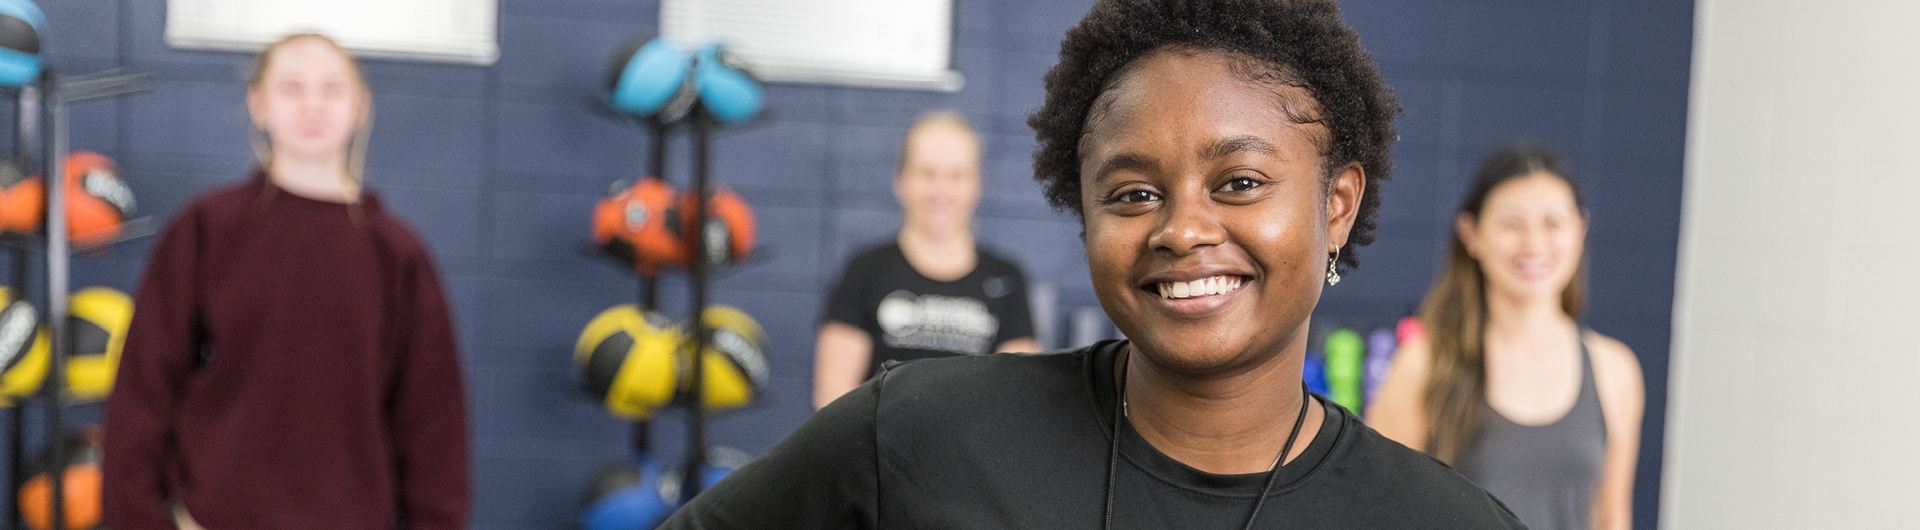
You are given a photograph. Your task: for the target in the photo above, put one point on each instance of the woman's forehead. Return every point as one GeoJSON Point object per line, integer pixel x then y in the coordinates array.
{"type": "Point", "coordinates": [1197, 98]}
{"type": "Point", "coordinates": [1536, 193]}
{"type": "Point", "coordinates": [307, 58]}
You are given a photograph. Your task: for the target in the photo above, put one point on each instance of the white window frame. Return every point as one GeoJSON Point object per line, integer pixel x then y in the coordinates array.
{"type": "Point", "coordinates": [455, 31]}
{"type": "Point", "coordinates": [874, 43]}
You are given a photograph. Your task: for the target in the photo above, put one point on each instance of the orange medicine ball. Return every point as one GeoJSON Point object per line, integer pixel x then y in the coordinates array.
{"type": "Point", "coordinates": [637, 225]}
{"type": "Point", "coordinates": [96, 200]}
{"type": "Point", "coordinates": [729, 228]}
{"type": "Point", "coordinates": [80, 485]}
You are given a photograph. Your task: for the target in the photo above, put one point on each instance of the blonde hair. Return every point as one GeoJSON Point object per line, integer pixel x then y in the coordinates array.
{"type": "Point", "coordinates": [929, 119]}
{"type": "Point", "coordinates": [356, 146]}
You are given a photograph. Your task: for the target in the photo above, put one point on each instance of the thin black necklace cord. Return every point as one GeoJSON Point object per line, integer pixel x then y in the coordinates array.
{"type": "Point", "coordinates": [1113, 450]}
{"type": "Point", "coordinates": [1282, 462]}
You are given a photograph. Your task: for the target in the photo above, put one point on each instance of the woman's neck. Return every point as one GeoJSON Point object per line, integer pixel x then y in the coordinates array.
{"type": "Point", "coordinates": [1526, 320]}
{"type": "Point", "coordinates": [940, 255]}
{"type": "Point", "coordinates": [1229, 425]}
{"type": "Point", "coordinates": [317, 179]}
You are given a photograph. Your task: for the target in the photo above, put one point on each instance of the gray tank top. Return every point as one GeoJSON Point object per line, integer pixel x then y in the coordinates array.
{"type": "Point", "coordinates": [1545, 474]}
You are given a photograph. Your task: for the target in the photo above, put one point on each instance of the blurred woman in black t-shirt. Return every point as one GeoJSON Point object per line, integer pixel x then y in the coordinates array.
{"type": "Point", "coordinates": [931, 292]}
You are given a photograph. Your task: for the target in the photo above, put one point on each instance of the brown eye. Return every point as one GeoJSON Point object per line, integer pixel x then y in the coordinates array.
{"type": "Point", "coordinates": [1240, 184]}
{"type": "Point", "coordinates": [1137, 196]}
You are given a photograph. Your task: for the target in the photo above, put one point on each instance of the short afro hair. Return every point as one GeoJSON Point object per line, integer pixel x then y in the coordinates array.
{"type": "Point", "coordinates": [1297, 42]}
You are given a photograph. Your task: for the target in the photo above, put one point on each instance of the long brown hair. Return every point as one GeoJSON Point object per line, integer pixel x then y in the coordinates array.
{"type": "Point", "coordinates": [356, 146]}
{"type": "Point", "coordinates": [1455, 310]}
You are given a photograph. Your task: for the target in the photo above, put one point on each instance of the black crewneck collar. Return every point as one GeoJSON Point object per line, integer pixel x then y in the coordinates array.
{"type": "Point", "coordinates": [1142, 456]}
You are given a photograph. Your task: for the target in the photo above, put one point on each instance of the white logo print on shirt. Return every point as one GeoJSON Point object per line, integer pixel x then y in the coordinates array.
{"type": "Point", "coordinates": [934, 322]}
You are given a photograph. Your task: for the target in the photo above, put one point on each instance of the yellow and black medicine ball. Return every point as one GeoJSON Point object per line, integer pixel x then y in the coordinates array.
{"type": "Point", "coordinates": [24, 349]}
{"type": "Point", "coordinates": [626, 357]}
{"type": "Point", "coordinates": [98, 318]}
{"type": "Point", "coordinates": [734, 362]}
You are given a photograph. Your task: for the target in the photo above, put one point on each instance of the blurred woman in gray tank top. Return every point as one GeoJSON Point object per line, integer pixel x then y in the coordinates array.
{"type": "Point", "coordinates": [1506, 385]}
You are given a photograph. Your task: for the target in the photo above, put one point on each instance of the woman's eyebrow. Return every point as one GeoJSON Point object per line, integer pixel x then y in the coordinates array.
{"type": "Point", "coordinates": [1235, 144]}
{"type": "Point", "coordinates": [1123, 162]}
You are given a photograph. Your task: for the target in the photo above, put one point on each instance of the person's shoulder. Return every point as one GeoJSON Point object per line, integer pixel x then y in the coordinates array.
{"type": "Point", "coordinates": [965, 374]}
{"type": "Point", "coordinates": [874, 251]}
{"type": "Point", "coordinates": [394, 232]}
{"type": "Point", "coordinates": [1611, 357]}
{"type": "Point", "coordinates": [991, 260]}
{"type": "Point", "coordinates": [1423, 488]}
{"type": "Point", "coordinates": [1617, 377]}
{"type": "Point", "coordinates": [864, 261]}
{"type": "Point", "coordinates": [225, 204]}
{"type": "Point", "coordinates": [941, 389]}
{"type": "Point", "coordinates": [227, 197]}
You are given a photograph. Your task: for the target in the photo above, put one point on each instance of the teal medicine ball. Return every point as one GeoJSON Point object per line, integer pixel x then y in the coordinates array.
{"type": "Point", "coordinates": [20, 25]}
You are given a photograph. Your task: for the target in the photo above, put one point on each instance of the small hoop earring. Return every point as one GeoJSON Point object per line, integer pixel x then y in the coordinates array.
{"type": "Point", "coordinates": [1333, 272]}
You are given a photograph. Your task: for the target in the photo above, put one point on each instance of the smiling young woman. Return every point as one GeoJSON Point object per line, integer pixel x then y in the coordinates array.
{"type": "Point", "coordinates": [1507, 385]}
{"type": "Point", "coordinates": [1224, 157]}
{"type": "Point", "coordinates": [931, 292]}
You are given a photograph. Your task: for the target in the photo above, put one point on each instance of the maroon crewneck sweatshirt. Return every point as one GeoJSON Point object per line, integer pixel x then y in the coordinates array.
{"type": "Point", "coordinates": [291, 365]}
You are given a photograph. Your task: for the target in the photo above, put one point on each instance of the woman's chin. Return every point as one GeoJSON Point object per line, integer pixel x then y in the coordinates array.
{"type": "Point", "coordinates": [1193, 357]}
{"type": "Point", "coordinates": [306, 148]}
{"type": "Point", "coordinates": [1530, 288]}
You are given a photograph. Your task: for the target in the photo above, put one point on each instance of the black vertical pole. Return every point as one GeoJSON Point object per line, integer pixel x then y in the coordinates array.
{"type": "Point", "coordinates": [16, 453]}
{"type": "Point", "coordinates": [26, 130]}
{"type": "Point", "coordinates": [650, 286]}
{"type": "Point", "coordinates": [696, 411]}
{"type": "Point", "coordinates": [54, 132]}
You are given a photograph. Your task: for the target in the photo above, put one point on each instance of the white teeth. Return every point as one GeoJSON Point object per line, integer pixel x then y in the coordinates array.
{"type": "Point", "coordinates": [1201, 287]}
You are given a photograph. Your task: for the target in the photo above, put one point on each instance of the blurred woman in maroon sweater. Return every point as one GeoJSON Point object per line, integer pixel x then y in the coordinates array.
{"type": "Point", "coordinates": [292, 363]}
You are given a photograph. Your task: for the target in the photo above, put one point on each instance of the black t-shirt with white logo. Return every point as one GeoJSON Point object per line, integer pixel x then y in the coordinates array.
{"type": "Point", "coordinates": [912, 317]}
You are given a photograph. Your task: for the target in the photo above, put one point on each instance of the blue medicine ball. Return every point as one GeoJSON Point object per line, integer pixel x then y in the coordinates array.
{"type": "Point", "coordinates": [648, 79]}
{"type": "Point", "coordinates": [628, 497]}
{"type": "Point", "coordinates": [727, 89]}
{"type": "Point", "coordinates": [20, 25]}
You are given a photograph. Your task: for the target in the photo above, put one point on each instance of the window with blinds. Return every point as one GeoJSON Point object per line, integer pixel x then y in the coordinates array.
{"type": "Point", "coordinates": [462, 31]}
{"type": "Point", "coordinates": [882, 43]}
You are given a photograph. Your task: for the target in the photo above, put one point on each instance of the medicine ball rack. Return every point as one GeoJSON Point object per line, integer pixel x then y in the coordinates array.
{"type": "Point", "coordinates": [700, 273]}
{"type": "Point", "coordinates": [42, 115]}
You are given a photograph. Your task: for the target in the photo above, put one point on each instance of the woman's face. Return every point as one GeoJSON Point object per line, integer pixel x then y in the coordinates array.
{"type": "Point", "coordinates": [309, 100]}
{"type": "Point", "coordinates": [1528, 237]}
{"type": "Point", "coordinates": [939, 182]}
{"type": "Point", "coordinates": [1209, 219]}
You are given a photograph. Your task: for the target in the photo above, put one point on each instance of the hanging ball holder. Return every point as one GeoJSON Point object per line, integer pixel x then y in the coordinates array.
{"type": "Point", "coordinates": [635, 361]}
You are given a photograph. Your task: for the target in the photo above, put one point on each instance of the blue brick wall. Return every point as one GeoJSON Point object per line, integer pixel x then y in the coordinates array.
{"type": "Point", "coordinates": [497, 166]}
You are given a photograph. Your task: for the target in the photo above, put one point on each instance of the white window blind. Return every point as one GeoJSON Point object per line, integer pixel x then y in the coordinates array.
{"type": "Point", "coordinates": [884, 43]}
{"type": "Point", "coordinates": [462, 31]}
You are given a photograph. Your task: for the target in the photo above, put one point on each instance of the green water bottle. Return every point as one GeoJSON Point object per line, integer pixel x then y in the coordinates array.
{"type": "Point", "coordinates": [1346, 367]}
